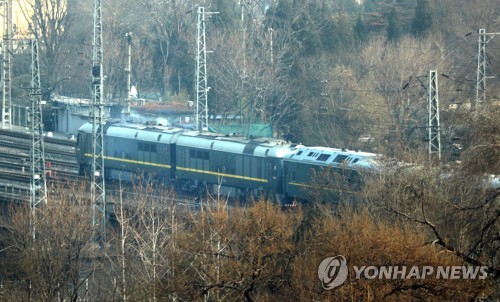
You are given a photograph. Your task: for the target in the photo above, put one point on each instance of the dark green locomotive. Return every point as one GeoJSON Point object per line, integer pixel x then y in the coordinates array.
{"type": "Point", "coordinates": [131, 150]}
{"type": "Point", "coordinates": [191, 160]}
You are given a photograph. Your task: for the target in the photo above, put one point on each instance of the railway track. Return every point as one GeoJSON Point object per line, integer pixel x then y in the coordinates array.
{"type": "Point", "coordinates": [49, 140]}
{"type": "Point", "coordinates": [25, 177]}
{"type": "Point", "coordinates": [15, 174]}
{"type": "Point", "coordinates": [20, 159]}
{"type": "Point", "coordinates": [15, 149]}
{"type": "Point", "coordinates": [27, 147]}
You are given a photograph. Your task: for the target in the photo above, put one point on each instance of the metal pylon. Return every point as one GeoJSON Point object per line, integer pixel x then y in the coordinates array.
{"type": "Point", "coordinates": [7, 64]}
{"type": "Point", "coordinates": [433, 109]}
{"type": "Point", "coordinates": [38, 179]}
{"type": "Point", "coordinates": [483, 39]}
{"type": "Point", "coordinates": [129, 69]}
{"type": "Point", "coordinates": [201, 73]}
{"type": "Point", "coordinates": [481, 69]}
{"type": "Point", "coordinates": [98, 194]}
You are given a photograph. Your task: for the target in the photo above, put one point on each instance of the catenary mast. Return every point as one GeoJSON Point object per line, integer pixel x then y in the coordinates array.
{"type": "Point", "coordinates": [7, 64]}
{"type": "Point", "coordinates": [37, 168]}
{"type": "Point", "coordinates": [97, 116]}
{"type": "Point", "coordinates": [433, 127]}
{"type": "Point", "coordinates": [201, 73]}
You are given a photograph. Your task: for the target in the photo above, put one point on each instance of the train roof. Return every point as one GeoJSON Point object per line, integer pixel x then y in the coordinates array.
{"type": "Point", "coordinates": [142, 132]}
{"type": "Point", "coordinates": [263, 147]}
{"type": "Point", "coordinates": [334, 157]}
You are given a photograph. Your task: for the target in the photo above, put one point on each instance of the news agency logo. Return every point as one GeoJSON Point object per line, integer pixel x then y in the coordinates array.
{"type": "Point", "coordinates": [333, 272]}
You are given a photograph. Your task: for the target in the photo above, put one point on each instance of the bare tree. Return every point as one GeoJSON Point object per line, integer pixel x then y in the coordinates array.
{"type": "Point", "coordinates": [234, 254]}
{"type": "Point", "coordinates": [248, 84]}
{"type": "Point", "coordinates": [366, 240]}
{"type": "Point", "coordinates": [147, 222]}
{"type": "Point", "coordinates": [171, 28]}
{"type": "Point", "coordinates": [457, 204]}
{"type": "Point", "coordinates": [342, 110]}
{"type": "Point", "coordinates": [48, 257]}
{"type": "Point", "coordinates": [398, 74]}
{"type": "Point", "coordinates": [50, 23]}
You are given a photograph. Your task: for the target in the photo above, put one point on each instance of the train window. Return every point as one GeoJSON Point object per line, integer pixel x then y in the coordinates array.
{"type": "Point", "coordinates": [299, 153]}
{"type": "Point", "coordinates": [340, 158]}
{"type": "Point", "coordinates": [310, 153]}
{"type": "Point", "coordinates": [355, 160]}
{"type": "Point", "coordinates": [323, 157]}
{"type": "Point", "coordinates": [137, 133]}
{"type": "Point", "coordinates": [159, 136]}
{"type": "Point", "coordinates": [199, 154]}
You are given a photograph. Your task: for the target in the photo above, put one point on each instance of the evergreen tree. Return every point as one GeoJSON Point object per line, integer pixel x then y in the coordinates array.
{"type": "Point", "coordinates": [278, 16]}
{"type": "Point", "coordinates": [349, 6]}
{"type": "Point", "coordinates": [370, 6]}
{"type": "Point", "coordinates": [228, 15]}
{"type": "Point", "coordinates": [307, 28]}
{"type": "Point", "coordinates": [394, 26]}
{"type": "Point", "coordinates": [337, 34]}
{"type": "Point", "coordinates": [360, 31]}
{"type": "Point", "coordinates": [423, 20]}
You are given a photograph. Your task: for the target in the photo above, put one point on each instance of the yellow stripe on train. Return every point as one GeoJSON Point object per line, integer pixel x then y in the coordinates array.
{"type": "Point", "coordinates": [131, 161]}
{"type": "Point", "coordinates": [182, 168]}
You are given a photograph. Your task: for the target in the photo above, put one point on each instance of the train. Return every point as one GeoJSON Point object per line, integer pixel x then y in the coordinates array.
{"type": "Point", "coordinates": [199, 161]}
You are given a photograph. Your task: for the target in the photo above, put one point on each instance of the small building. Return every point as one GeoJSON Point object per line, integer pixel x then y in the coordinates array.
{"type": "Point", "coordinates": [69, 114]}
{"type": "Point", "coordinates": [179, 114]}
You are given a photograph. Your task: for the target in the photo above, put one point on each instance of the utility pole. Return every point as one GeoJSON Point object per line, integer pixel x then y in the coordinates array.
{"type": "Point", "coordinates": [128, 36]}
{"type": "Point", "coordinates": [98, 193]}
{"type": "Point", "coordinates": [243, 36]}
{"type": "Point", "coordinates": [7, 48]}
{"type": "Point", "coordinates": [483, 39]}
{"type": "Point", "coordinates": [433, 110]}
{"type": "Point", "coordinates": [271, 31]}
{"type": "Point", "coordinates": [201, 72]}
